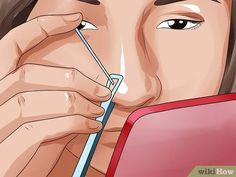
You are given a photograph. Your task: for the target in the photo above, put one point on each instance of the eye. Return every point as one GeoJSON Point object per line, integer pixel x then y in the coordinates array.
{"type": "Point", "coordinates": [179, 24]}
{"type": "Point", "coordinates": [85, 25]}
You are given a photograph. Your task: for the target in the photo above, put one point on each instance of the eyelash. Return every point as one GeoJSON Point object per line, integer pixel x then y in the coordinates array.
{"type": "Point", "coordinates": [182, 24]}
{"type": "Point", "coordinates": [85, 25]}
{"type": "Point", "coordinates": [198, 26]}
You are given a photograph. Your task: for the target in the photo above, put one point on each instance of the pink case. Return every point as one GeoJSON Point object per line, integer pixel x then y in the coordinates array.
{"type": "Point", "coordinates": [171, 139]}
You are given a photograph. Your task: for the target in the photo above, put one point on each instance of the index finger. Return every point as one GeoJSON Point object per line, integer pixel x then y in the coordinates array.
{"type": "Point", "coordinates": [30, 34]}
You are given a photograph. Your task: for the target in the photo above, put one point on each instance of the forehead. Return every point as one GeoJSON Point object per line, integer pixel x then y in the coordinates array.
{"type": "Point", "coordinates": [136, 9]}
{"type": "Point", "coordinates": [124, 7]}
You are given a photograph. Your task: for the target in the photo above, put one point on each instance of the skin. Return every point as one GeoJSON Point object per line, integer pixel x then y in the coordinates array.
{"type": "Point", "coordinates": [52, 83]}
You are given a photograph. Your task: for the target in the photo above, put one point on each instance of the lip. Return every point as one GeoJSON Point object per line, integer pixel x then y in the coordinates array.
{"type": "Point", "coordinates": [109, 139]}
{"type": "Point", "coordinates": [116, 121]}
{"type": "Point", "coordinates": [110, 145]}
{"type": "Point", "coordinates": [113, 129]}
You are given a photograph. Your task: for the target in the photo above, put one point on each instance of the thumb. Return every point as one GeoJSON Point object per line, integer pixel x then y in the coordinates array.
{"type": "Point", "coordinates": [28, 35]}
{"type": "Point", "coordinates": [57, 24]}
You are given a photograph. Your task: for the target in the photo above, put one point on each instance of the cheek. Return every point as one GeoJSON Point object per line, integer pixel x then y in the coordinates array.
{"type": "Point", "coordinates": [190, 62]}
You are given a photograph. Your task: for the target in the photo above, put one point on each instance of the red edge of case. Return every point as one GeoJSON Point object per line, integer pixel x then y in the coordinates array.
{"type": "Point", "coordinates": [153, 109]}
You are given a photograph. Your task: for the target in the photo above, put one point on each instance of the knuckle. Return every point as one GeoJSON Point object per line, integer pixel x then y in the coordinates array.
{"type": "Point", "coordinates": [40, 22]}
{"type": "Point", "coordinates": [21, 100]}
{"type": "Point", "coordinates": [41, 19]}
{"type": "Point", "coordinates": [44, 18]}
{"type": "Point", "coordinates": [70, 99]}
{"type": "Point", "coordinates": [29, 126]}
{"type": "Point", "coordinates": [32, 131]}
{"type": "Point", "coordinates": [22, 72]}
{"type": "Point", "coordinates": [72, 75]}
{"type": "Point", "coordinates": [20, 105]}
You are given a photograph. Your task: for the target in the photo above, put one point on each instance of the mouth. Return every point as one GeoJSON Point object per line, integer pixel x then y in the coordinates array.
{"type": "Point", "coordinates": [114, 129]}
{"type": "Point", "coordinates": [110, 139]}
{"type": "Point", "coordinates": [116, 121]}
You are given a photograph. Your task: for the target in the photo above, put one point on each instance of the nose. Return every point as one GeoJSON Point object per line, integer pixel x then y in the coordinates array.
{"type": "Point", "coordinates": [141, 85]}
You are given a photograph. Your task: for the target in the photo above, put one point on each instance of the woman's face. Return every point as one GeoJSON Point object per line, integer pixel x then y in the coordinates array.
{"type": "Point", "coordinates": [166, 50]}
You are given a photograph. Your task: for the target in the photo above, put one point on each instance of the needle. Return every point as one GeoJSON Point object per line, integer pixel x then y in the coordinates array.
{"type": "Point", "coordinates": [94, 55]}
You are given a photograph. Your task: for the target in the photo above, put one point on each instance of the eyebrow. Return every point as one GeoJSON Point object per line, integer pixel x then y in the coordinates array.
{"type": "Point", "coordinates": [94, 2]}
{"type": "Point", "coordinates": [165, 2]}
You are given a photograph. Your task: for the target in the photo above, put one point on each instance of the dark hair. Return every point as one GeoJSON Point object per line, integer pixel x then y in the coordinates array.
{"type": "Point", "coordinates": [228, 84]}
{"type": "Point", "coordinates": [16, 12]}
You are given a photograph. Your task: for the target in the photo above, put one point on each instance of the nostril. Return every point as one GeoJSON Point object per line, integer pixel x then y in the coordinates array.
{"type": "Point", "coordinates": [143, 94]}
{"type": "Point", "coordinates": [125, 102]}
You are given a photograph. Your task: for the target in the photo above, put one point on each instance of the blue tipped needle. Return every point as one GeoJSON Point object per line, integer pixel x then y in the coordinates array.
{"type": "Point", "coordinates": [94, 55]}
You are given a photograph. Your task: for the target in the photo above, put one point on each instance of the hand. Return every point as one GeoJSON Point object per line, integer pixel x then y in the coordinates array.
{"type": "Point", "coordinates": [39, 103]}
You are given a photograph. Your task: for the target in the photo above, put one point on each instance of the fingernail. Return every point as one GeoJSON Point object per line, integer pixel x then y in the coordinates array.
{"type": "Point", "coordinates": [73, 17]}
{"type": "Point", "coordinates": [104, 93]}
{"type": "Point", "coordinates": [98, 112]}
{"type": "Point", "coordinates": [94, 125]}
